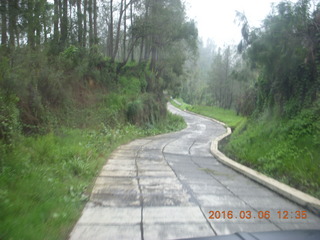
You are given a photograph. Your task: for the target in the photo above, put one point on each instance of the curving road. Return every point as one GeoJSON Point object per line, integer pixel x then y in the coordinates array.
{"type": "Point", "coordinates": [164, 187]}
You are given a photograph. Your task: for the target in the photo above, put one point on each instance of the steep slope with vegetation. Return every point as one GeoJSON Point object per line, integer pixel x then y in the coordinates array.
{"type": "Point", "coordinates": [276, 84]}
{"type": "Point", "coordinates": [78, 78]}
{"type": "Point", "coordinates": [282, 139]}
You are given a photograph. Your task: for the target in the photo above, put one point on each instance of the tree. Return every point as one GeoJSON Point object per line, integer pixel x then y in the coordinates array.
{"type": "Point", "coordinates": [110, 31]}
{"type": "Point", "coordinates": [85, 4]}
{"type": "Point", "coordinates": [56, 17]}
{"type": "Point", "coordinates": [79, 15]}
{"type": "Point", "coordinates": [95, 19]}
{"type": "Point", "coordinates": [286, 52]}
{"type": "Point", "coordinates": [13, 12]}
{"type": "Point", "coordinates": [64, 23]}
{"type": "Point", "coordinates": [4, 37]}
{"type": "Point", "coordinates": [90, 23]}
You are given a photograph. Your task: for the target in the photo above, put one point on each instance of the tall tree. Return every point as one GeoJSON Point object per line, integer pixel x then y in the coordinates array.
{"type": "Point", "coordinates": [79, 15]}
{"type": "Point", "coordinates": [90, 23]}
{"type": "Point", "coordinates": [131, 24]}
{"type": "Point", "coordinates": [95, 22]}
{"type": "Point", "coordinates": [13, 12]}
{"type": "Point", "coordinates": [116, 46]}
{"type": "Point", "coordinates": [4, 37]}
{"type": "Point", "coordinates": [56, 21]}
{"type": "Point", "coordinates": [85, 6]}
{"type": "Point", "coordinates": [31, 24]}
{"type": "Point", "coordinates": [38, 12]}
{"type": "Point", "coordinates": [110, 31]}
{"type": "Point", "coordinates": [64, 23]}
{"type": "Point", "coordinates": [124, 31]}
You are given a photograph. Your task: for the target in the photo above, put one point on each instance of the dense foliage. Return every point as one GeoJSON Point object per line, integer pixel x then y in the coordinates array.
{"type": "Point", "coordinates": [78, 78]}
{"type": "Point", "coordinates": [286, 52]}
{"type": "Point", "coordinates": [272, 77]}
{"type": "Point", "coordinates": [59, 57]}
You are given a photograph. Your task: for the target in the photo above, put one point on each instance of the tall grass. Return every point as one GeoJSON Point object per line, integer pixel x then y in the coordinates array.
{"type": "Point", "coordinates": [285, 149]}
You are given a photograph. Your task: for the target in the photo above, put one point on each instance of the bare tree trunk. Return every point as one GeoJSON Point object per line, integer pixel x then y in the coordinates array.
{"type": "Point", "coordinates": [118, 32]}
{"type": "Point", "coordinates": [130, 51]}
{"type": "Point", "coordinates": [141, 50]}
{"type": "Point", "coordinates": [70, 24]}
{"type": "Point", "coordinates": [110, 30]}
{"type": "Point", "coordinates": [79, 14]}
{"type": "Point", "coordinates": [154, 50]}
{"type": "Point", "coordinates": [131, 24]}
{"type": "Point", "coordinates": [12, 21]}
{"type": "Point", "coordinates": [90, 23]}
{"type": "Point", "coordinates": [95, 16]}
{"type": "Point", "coordinates": [31, 30]}
{"type": "Point", "coordinates": [44, 20]}
{"type": "Point", "coordinates": [36, 21]}
{"type": "Point", "coordinates": [85, 23]}
{"type": "Point", "coordinates": [64, 23]}
{"type": "Point", "coordinates": [56, 21]}
{"type": "Point", "coordinates": [146, 40]}
{"type": "Point", "coordinates": [4, 37]}
{"type": "Point", "coordinates": [124, 30]}
{"type": "Point", "coordinates": [60, 18]}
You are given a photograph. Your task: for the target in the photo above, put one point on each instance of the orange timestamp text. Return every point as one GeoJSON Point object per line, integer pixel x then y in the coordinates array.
{"type": "Point", "coordinates": [258, 215]}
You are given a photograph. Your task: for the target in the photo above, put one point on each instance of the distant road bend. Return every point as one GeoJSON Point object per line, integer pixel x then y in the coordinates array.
{"type": "Point", "coordinates": [170, 186]}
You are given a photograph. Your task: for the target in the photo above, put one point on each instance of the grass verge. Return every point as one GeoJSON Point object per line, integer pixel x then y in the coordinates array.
{"type": "Point", "coordinates": [284, 149]}
{"type": "Point", "coordinates": [46, 180]}
{"type": "Point", "coordinates": [227, 116]}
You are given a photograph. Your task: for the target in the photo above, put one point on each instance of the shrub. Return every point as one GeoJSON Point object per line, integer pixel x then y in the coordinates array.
{"type": "Point", "coordinates": [9, 117]}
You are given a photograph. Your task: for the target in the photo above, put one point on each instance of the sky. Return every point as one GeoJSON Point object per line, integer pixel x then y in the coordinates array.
{"type": "Point", "coordinates": [216, 18]}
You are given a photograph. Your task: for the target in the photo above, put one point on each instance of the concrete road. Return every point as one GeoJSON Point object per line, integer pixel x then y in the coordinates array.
{"type": "Point", "coordinates": [170, 187]}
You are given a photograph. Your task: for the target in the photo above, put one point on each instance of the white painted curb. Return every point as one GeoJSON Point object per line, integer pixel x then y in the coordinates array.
{"type": "Point", "coordinates": [301, 198]}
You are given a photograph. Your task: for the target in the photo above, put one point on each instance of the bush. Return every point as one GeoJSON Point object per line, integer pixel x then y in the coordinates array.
{"type": "Point", "coordinates": [9, 117]}
{"type": "Point", "coordinates": [146, 109]}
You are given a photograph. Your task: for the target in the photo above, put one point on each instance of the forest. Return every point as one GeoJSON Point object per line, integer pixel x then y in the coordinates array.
{"type": "Point", "coordinates": [272, 79]}
{"type": "Point", "coordinates": [77, 79]}
{"type": "Point", "coordinates": [80, 77]}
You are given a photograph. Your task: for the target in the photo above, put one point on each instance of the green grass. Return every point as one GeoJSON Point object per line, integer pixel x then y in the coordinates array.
{"type": "Point", "coordinates": [46, 180]}
{"type": "Point", "coordinates": [227, 116]}
{"type": "Point", "coordinates": [182, 105]}
{"type": "Point", "coordinates": [285, 149]}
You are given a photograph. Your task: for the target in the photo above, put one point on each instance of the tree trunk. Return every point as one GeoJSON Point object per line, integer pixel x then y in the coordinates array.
{"type": "Point", "coordinates": [79, 15]}
{"type": "Point", "coordinates": [44, 20]}
{"type": "Point", "coordinates": [90, 23]}
{"type": "Point", "coordinates": [4, 37]}
{"type": "Point", "coordinates": [56, 21]}
{"type": "Point", "coordinates": [36, 20]}
{"type": "Point", "coordinates": [124, 31]}
{"type": "Point", "coordinates": [12, 21]}
{"type": "Point", "coordinates": [141, 50]}
{"type": "Point", "coordinates": [131, 24]}
{"type": "Point", "coordinates": [118, 32]}
{"type": "Point", "coordinates": [31, 29]}
{"type": "Point", "coordinates": [64, 23]}
{"type": "Point", "coordinates": [84, 39]}
{"type": "Point", "coordinates": [70, 24]}
{"type": "Point", "coordinates": [110, 31]}
{"type": "Point", "coordinates": [146, 40]}
{"type": "Point", "coordinates": [95, 17]}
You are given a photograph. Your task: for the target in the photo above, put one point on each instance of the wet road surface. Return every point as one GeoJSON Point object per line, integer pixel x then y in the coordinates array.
{"type": "Point", "coordinates": [170, 187]}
